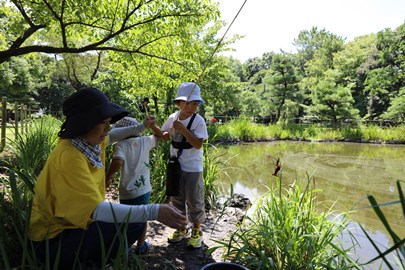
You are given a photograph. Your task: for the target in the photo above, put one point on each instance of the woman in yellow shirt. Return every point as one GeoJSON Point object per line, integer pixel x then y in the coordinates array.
{"type": "Point", "coordinates": [70, 219]}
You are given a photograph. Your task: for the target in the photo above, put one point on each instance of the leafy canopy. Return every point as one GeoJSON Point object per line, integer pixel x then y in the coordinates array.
{"type": "Point", "coordinates": [71, 26]}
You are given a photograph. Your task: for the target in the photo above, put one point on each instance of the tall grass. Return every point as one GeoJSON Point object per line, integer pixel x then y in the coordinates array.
{"type": "Point", "coordinates": [397, 250]}
{"type": "Point", "coordinates": [244, 130]}
{"type": "Point", "coordinates": [158, 166]}
{"type": "Point", "coordinates": [211, 170]}
{"type": "Point", "coordinates": [31, 149]}
{"type": "Point", "coordinates": [15, 210]}
{"type": "Point", "coordinates": [286, 231]}
{"type": "Point", "coordinates": [213, 167]}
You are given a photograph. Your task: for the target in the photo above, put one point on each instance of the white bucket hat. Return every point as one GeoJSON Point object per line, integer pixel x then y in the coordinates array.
{"type": "Point", "coordinates": [184, 90]}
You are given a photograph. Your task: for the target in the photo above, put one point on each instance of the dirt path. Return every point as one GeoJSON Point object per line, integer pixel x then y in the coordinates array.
{"type": "Point", "coordinates": [163, 255]}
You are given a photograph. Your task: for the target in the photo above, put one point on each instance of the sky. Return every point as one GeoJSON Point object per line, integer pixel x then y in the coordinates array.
{"type": "Point", "coordinates": [272, 25]}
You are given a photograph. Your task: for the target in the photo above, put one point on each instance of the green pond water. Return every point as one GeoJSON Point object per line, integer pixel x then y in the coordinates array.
{"type": "Point", "coordinates": [345, 172]}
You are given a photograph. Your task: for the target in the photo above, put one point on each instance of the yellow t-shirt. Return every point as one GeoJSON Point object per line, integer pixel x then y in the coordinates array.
{"type": "Point", "coordinates": [67, 191]}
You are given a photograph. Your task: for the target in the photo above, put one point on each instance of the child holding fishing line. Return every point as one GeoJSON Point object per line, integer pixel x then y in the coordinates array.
{"type": "Point", "coordinates": [190, 197]}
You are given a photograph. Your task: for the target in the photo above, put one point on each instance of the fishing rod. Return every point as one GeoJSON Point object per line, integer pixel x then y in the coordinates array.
{"type": "Point", "coordinates": [213, 53]}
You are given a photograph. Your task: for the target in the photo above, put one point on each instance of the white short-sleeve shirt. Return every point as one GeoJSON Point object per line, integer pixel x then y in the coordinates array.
{"type": "Point", "coordinates": [191, 160]}
{"type": "Point", "coordinates": [135, 173]}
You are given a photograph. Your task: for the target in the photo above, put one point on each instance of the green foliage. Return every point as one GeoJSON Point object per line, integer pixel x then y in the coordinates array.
{"type": "Point", "coordinates": [286, 231]}
{"type": "Point", "coordinates": [31, 149]}
{"type": "Point", "coordinates": [244, 130]}
{"type": "Point", "coordinates": [158, 166]}
{"type": "Point", "coordinates": [211, 174]}
{"type": "Point", "coordinates": [331, 102]}
{"type": "Point", "coordinates": [130, 26]}
{"type": "Point", "coordinates": [15, 210]}
{"type": "Point", "coordinates": [372, 133]}
{"type": "Point", "coordinates": [283, 80]}
{"type": "Point", "coordinates": [353, 133]}
{"type": "Point", "coordinates": [397, 109]}
{"type": "Point", "coordinates": [30, 152]}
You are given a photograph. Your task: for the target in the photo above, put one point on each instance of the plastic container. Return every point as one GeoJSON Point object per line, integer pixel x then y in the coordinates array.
{"type": "Point", "coordinates": [223, 266]}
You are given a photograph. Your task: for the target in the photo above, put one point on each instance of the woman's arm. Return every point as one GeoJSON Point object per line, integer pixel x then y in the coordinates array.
{"type": "Point", "coordinates": [114, 212]}
{"type": "Point", "coordinates": [119, 134]}
{"type": "Point", "coordinates": [115, 166]}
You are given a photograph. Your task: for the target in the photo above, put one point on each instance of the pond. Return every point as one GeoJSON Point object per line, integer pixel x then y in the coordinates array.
{"type": "Point", "coordinates": [345, 173]}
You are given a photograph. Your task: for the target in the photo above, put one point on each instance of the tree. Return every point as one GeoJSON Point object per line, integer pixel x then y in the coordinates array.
{"type": "Point", "coordinates": [352, 64]}
{"type": "Point", "coordinates": [384, 81]}
{"type": "Point", "coordinates": [50, 98]}
{"type": "Point", "coordinates": [378, 88]}
{"type": "Point", "coordinates": [319, 44]}
{"type": "Point", "coordinates": [316, 49]}
{"type": "Point", "coordinates": [397, 109]}
{"type": "Point", "coordinates": [22, 76]}
{"type": "Point", "coordinates": [71, 26]}
{"type": "Point", "coordinates": [331, 102]}
{"type": "Point", "coordinates": [196, 60]}
{"type": "Point", "coordinates": [283, 81]}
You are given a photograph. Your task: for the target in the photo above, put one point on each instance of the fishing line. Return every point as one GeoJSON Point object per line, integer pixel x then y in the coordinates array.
{"type": "Point", "coordinates": [213, 52]}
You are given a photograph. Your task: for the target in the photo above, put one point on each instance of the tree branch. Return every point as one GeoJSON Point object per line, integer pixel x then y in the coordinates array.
{"type": "Point", "coordinates": [27, 33]}
{"type": "Point", "coordinates": [93, 76]}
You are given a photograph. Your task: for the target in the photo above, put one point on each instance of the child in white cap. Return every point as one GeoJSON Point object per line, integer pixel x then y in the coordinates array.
{"type": "Point", "coordinates": [190, 199]}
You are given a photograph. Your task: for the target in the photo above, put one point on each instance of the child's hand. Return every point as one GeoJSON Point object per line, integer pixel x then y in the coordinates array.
{"type": "Point", "coordinates": [179, 126]}
{"type": "Point", "coordinates": [166, 136]}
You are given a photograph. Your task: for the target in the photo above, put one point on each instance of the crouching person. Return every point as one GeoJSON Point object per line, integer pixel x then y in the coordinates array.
{"type": "Point", "coordinates": [71, 224]}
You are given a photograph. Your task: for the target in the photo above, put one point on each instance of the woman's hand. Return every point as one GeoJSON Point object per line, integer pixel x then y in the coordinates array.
{"type": "Point", "coordinates": [171, 216]}
{"type": "Point", "coordinates": [149, 120]}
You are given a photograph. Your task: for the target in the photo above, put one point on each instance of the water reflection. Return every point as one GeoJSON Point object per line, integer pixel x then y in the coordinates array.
{"type": "Point", "coordinates": [345, 172]}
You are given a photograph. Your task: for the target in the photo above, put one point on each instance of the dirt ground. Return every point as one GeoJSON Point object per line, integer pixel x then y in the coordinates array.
{"type": "Point", "coordinates": [164, 255]}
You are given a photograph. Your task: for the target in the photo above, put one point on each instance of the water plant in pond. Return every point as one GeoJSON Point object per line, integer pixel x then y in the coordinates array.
{"type": "Point", "coordinates": [286, 231]}
{"type": "Point", "coordinates": [397, 250]}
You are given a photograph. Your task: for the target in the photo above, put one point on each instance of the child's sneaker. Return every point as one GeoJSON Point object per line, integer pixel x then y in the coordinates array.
{"type": "Point", "coordinates": [143, 249]}
{"type": "Point", "coordinates": [196, 238]}
{"type": "Point", "coordinates": [179, 235]}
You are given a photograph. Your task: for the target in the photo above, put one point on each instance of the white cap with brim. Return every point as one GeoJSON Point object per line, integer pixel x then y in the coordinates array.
{"type": "Point", "coordinates": [184, 90]}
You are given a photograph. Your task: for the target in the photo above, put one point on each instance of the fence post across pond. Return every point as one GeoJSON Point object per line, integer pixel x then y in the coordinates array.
{"type": "Point", "coordinates": [16, 117]}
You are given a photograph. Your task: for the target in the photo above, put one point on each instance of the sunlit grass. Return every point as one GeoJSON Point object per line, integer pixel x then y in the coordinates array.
{"type": "Point", "coordinates": [286, 231]}
{"type": "Point", "coordinates": [244, 130]}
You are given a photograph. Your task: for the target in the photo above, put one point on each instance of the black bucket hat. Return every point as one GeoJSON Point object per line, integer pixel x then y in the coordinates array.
{"type": "Point", "coordinates": [85, 109]}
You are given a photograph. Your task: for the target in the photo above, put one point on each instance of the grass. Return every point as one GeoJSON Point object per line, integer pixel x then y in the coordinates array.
{"type": "Point", "coordinates": [286, 231]}
{"type": "Point", "coordinates": [397, 250]}
{"type": "Point", "coordinates": [244, 130]}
